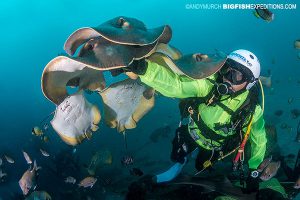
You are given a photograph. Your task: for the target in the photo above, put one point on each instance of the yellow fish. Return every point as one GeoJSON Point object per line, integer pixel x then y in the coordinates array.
{"type": "Point", "coordinates": [37, 131]}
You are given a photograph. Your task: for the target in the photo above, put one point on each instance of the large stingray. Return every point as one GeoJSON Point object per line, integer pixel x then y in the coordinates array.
{"type": "Point", "coordinates": [62, 72]}
{"type": "Point", "coordinates": [125, 103]}
{"type": "Point", "coordinates": [121, 30]}
{"type": "Point", "coordinates": [196, 66]}
{"type": "Point", "coordinates": [75, 119]}
{"type": "Point", "coordinates": [188, 189]}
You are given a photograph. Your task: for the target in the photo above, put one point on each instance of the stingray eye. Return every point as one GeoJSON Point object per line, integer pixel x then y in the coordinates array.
{"type": "Point", "coordinates": [121, 21]}
{"type": "Point", "coordinates": [200, 57]}
{"type": "Point", "coordinates": [89, 46]}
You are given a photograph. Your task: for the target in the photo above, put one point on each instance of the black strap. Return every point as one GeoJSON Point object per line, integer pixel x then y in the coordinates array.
{"type": "Point", "coordinates": [207, 132]}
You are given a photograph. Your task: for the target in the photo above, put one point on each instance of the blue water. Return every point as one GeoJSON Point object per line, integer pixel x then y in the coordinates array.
{"type": "Point", "coordinates": [33, 32]}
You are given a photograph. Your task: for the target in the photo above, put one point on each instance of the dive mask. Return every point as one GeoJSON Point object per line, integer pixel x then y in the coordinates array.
{"type": "Point", "coordinates": [234, 76]}
{"type": "Point", "coordinates": [235, 72]}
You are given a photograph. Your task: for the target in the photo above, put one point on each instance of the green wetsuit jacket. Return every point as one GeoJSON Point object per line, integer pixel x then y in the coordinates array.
{"type": "Point", "coordinates": [170, 84]}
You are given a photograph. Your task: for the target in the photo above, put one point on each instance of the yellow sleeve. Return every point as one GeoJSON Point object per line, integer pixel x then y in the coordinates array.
{"type": "Point", "coordinates": [170, 84]}
{"type": "Point", "coordinates": [258, 139]}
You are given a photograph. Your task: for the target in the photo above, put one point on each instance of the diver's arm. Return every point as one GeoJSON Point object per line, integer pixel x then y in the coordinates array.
{"type": "Point", "coordinates": [258, 139]}
{"type": "Point", "coordinates": [172, 85]}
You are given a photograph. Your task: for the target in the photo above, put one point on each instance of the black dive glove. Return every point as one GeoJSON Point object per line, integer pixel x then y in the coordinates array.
{"type": "Point", "coordinates": [138, 67]}
{"type": "Point", "coordinates": [252, 182]}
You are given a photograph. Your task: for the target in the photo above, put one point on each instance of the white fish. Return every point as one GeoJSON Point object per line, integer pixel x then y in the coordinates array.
{"type": "Point", "coordinates": [9, 159]}
{"type": "Point", "coordinates": [88, 182]}
{"type": "Point", "coordinates": [70, 179]}
{"type": "Point", "coordinates": [44, 153]}
{"type": "Point", "coordinates": [264, 164]}
{"type": "Point", "coordinates": [1, 162]}
{"type": "Point", "coordinates": [270, 171]}
{"type": "Point", "coordinates": [28, 180]}
{"type": "Point", "coordinates": [27, 158]}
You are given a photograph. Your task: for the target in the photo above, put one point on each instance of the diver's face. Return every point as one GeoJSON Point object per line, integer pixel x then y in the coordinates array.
{"type": "Point", "coordinates": [233, 76]}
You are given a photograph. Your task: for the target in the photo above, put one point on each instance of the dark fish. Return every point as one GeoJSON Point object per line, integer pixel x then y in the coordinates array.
{"type": "Point", "coordinates": [136, 172]}
{"type": "Point", "coordinates": [278, 112]}
{"type": "Point", "coordinates": [295, 113]}
{"type": "Point", "coordinates": [271, 133]}
{"type": "Point", "coordinates": [283, 126]}
{"type": "Point", "coordinates": [265, 14]}
{"type": "Point", "coordinates": [127, 160]}
{"type": "Point", "coordinates": [291, 156]}
{"type": "Point", "coordinates": [298, 133]}
{"type": "Point", "coordinates": [162, 132]}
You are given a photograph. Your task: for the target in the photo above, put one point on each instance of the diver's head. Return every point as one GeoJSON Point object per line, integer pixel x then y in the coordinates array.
{"type": "Point", "coordinates": [240, 71]}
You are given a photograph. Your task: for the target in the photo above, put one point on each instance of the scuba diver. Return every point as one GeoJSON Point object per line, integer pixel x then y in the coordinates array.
{"type": "Point", "coordinates": [220, 109]}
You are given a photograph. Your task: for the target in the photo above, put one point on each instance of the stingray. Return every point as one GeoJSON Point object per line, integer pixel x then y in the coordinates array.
{"type": "Point", "coordinates": [75, 119]}
{"type": "Point", "coordinates": [101, 54]}
{"type": "Point", "coordinates": [195, 66]}
{"type": "Point", "coordinates": [125, 103]}
{"type": "Point", "coordinates": [121, 30]}
{"type": "Point", "coordinates": [62, 72]}
{"type": "Point", "coordinates": [85, 70]}
{"type": "Point", "coordinates": [189, 188]}
{"type": "Point", "coordinates": [220, 184]}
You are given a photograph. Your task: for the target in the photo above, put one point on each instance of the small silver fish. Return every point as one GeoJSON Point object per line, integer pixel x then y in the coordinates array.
{"type": "Point", "coordinates": [297, 184]}
{"type": "Point", "coordinates": [27, 158]}
{"type": "Point", "coordinates": [264, 164]}
{"type": "Point", "coordinates": [88, 182]}
{"type": "Point", "coordinates": [28, 180]}
{"type": "Point", "coordinates": [127, 160]}
{"type": "Point", "coordinates": [46, 126]}
{"type": "Point", "coordinates": [1, 162]}
{"type": "Point", "coordinates": [9, 159]}
{"type": "Point", "coordinates": [270, 171]}
{"type": "Point", "coordinates": [44, 153]}
{"type": "Point", "coordinates": [70, 179]}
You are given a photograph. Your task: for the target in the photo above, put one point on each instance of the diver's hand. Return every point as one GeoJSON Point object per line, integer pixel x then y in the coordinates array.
{"type": "Point", "coordinates": [138, 67]}
{"type": "Point", "coordinates": [252, 184]}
